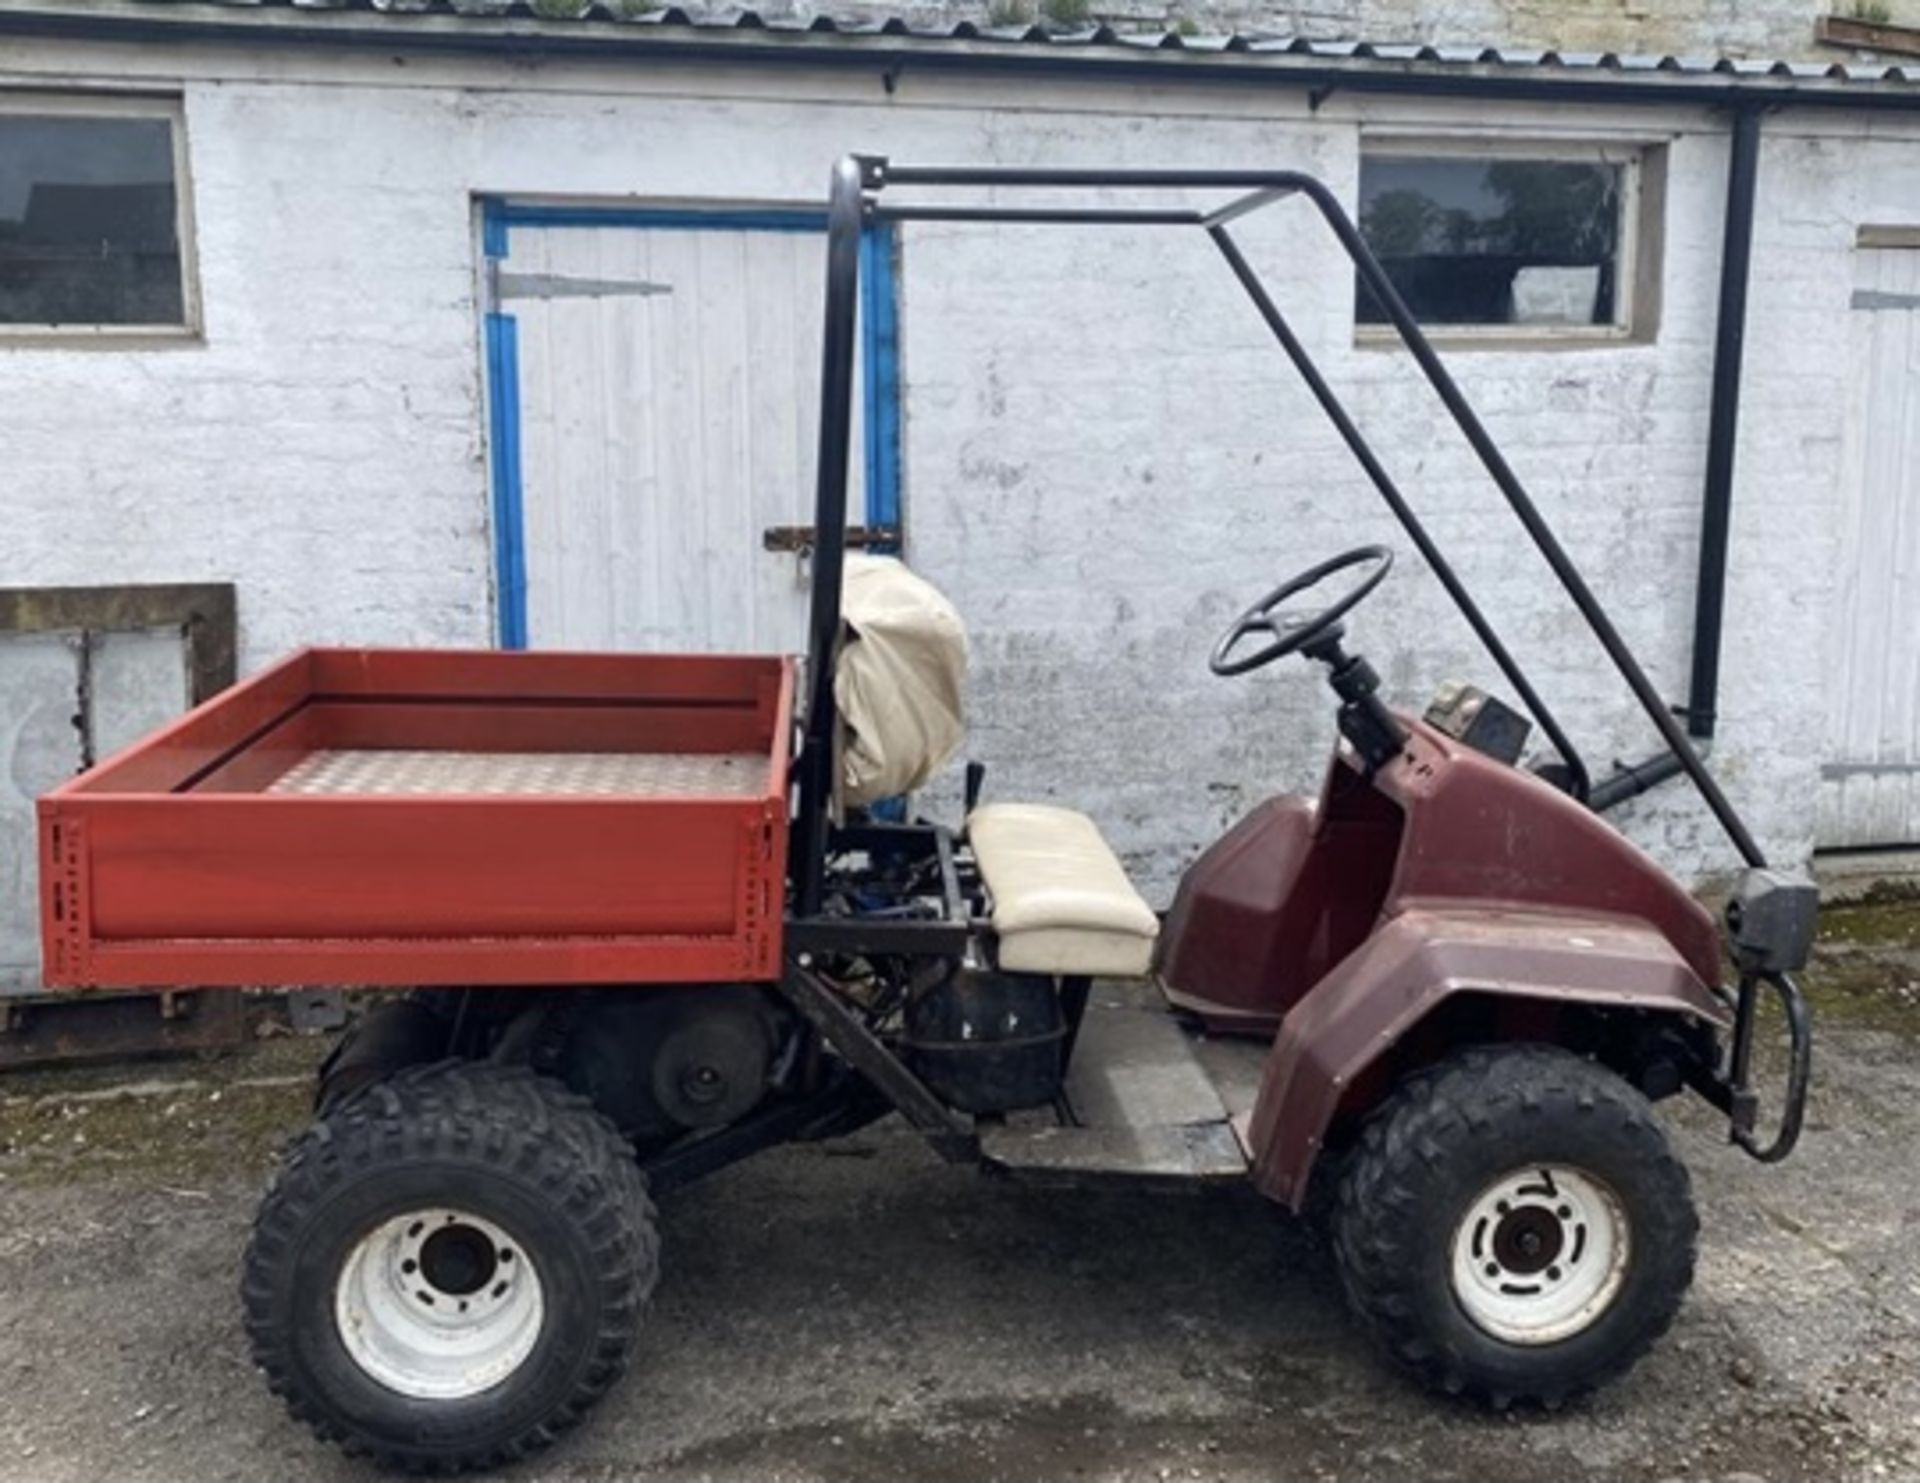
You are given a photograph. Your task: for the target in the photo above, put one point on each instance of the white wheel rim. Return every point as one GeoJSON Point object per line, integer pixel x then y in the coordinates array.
{"type": "Point", "coordinates": [438, 1304]}
{"type": "Point", "coordinates": [1540, 1254]}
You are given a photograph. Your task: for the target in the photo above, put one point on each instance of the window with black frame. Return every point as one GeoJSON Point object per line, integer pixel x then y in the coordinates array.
{"type": "Point", "coordinates": [1501, 243]}
{"type": "Point", "coordinates": [90, 220]}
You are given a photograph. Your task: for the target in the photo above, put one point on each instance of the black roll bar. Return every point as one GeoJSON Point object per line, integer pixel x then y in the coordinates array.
{"type": "Point", "coordinates": [845, 208]}
{"type": "Point", "coordinates": [857, 184]}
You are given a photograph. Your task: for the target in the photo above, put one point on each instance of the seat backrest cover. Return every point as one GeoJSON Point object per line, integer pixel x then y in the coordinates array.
{"type": "Point", "coordinates": [898, 682]}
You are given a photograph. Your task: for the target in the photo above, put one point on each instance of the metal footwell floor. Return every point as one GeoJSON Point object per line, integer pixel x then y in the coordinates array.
{"type": "Point", "coordinates": [1145, 1099]}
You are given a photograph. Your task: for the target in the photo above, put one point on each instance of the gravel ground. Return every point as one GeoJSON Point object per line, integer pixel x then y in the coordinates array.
{"type": "Point", "coordinates": [861, 1311]}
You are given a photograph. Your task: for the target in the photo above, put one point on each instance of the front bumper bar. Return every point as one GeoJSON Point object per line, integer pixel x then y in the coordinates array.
{"type": "Point", "coordinates": [1731, 1088]}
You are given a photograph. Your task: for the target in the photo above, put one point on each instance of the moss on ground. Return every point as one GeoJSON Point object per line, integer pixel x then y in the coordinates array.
{"type": "Point", "coordinates": [182, 1123]}
{"type": "Point", "coordinates": [1866, 964]}
{"type": "Point", "coordinates": [1866, 989]}
{"type": "Point", "coordinates": [1886, 922]}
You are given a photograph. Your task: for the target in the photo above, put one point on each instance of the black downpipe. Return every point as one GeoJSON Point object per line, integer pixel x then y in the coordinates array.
{"type": "Point", "coordinates": [830, 519]}
{"type": "Point", "coordinates": [1736, 259]}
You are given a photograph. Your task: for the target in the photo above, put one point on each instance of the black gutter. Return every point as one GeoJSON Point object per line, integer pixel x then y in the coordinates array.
{"type": "Point", "coordinates": [521, 37]}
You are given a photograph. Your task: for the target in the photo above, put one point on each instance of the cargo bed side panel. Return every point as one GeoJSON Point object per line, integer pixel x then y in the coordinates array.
{"type": "Point", "coordinates": [340, 867]}
{"type": "Point", "coordinates": [263, 890]}
{"type": "Point", "coordinates": [188, 860]}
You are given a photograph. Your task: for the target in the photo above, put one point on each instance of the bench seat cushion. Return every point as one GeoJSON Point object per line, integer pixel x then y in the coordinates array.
{"type": "Point", "coordinates": [1062, 903]}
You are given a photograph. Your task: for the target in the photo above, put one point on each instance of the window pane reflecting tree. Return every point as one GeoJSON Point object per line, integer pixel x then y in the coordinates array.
{"type": "Point", "coordinates": [1494, 241]}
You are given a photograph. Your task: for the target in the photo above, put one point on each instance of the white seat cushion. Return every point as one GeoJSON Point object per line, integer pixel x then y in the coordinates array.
{"type": "Point", "coordinates": [1062, 904]}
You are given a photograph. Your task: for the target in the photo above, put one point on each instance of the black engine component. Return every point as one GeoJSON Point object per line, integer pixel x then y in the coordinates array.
{"type": "Point", "coordinates": [389, 1037]}
{"type": "Point", "coordinates": [988, 1042]}
{"type": "Point", "coordinates": [666, 1061]}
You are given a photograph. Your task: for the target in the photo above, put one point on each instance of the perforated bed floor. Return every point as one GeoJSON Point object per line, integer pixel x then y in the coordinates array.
{"type": "Point", "coordinates": [545, 774]}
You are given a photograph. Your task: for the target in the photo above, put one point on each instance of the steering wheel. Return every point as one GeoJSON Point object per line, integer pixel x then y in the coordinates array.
{"type": "Point", "coordinates": [1289, 633]}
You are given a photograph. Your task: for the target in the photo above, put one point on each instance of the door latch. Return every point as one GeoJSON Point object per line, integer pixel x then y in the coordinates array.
{"type": "Point", "coordinates": [801, 539]}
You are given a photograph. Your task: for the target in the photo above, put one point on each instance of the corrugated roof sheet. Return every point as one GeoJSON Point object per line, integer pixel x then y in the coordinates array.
{"type": "Point", "coordinates": [1362, 55]}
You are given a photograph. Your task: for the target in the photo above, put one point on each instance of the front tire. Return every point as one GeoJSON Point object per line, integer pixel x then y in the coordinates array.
{"type": "Point", "coordinates": [449, 1268]}
{"type": "Point", "coordinates": [1514, 1227]}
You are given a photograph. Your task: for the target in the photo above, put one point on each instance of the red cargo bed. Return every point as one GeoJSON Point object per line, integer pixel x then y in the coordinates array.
{"type": "Point", "coordinates": [398, 817]}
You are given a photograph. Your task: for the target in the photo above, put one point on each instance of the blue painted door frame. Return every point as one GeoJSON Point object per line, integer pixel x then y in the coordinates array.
{"type": "Point", "coordinates": [880, 365]}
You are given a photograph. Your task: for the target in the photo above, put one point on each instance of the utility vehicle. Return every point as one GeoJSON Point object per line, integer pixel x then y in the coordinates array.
{"type": "Point", "coordinates": [643, 937]}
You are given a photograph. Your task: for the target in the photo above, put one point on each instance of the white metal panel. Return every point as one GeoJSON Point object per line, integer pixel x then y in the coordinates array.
{"type": "Point", "coordinates": [40, 746]}
{"type": "Point", "coordinates": [67, 699]}
{"type": "Point", "coordinates": [1870, 787]}
{"type": "Point", "coordinates": [668, 399]}
{"type": "Point", "coordinates": [136, 681]}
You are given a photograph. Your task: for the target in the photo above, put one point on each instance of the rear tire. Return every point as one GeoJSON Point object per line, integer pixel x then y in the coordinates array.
{"type": "Point", "coordinates": [1514, 1227]}
{"type": "Point", "coordinates": [450, 1267]}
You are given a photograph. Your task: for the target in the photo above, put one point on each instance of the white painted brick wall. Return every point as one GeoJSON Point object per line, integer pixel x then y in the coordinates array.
{"type": "Point", "coordinates": [322, 448]}
{"type": "Point", "coordinates": [1106, 457]}
{"type": "Point", "coordinates": [1214, 480]}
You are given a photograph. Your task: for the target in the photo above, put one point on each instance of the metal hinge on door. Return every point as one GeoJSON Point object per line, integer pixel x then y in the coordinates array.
{"type": "Point", "coordinates": [801, 539]}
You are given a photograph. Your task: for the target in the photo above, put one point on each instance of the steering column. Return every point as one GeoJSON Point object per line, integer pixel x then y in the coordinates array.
{"type": "Point", "coordinates": [1364, 719]}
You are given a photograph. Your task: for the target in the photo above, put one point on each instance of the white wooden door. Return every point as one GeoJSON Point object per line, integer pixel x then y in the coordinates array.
{"type": "Point", "coordinates": [668, 411]}
{"type": "Point", "coordinates": [1870, 780]}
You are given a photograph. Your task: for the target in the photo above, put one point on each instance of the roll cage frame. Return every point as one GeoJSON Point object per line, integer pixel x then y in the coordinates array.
{"type": "Point", "coordinates": [855, 200]}
{"type": "Point", "coordinates": [858, 185]}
